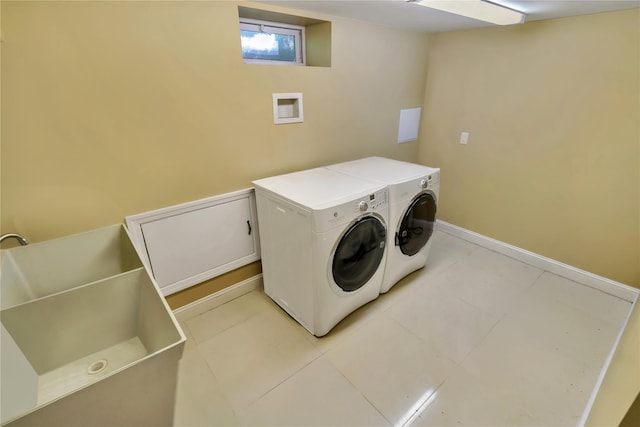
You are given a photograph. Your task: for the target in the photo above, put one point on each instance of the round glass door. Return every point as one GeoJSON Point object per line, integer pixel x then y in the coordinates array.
{"type": "Point", "coordinates": [359, 253]}
{"type": "Point", "coordinates": [417, 224]}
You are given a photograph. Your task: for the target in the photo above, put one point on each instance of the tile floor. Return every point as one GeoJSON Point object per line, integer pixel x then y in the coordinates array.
{"type": "Point", "coordinates": [474, 338]}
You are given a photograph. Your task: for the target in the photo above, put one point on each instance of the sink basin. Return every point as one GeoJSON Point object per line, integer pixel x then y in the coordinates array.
{"type": "Point", "coordinates": [104, 352]}
{"type": "Point", "coordinates": [41, 269]}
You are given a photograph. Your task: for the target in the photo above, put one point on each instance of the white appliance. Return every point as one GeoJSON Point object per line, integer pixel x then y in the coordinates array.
{"type": "Point", "coordinates": [413, 196]}
{"type": "Point", "coordinates": [323, 241]}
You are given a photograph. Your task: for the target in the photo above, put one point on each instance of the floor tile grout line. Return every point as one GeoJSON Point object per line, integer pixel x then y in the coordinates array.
{"type": "Point", "coordinates": [224, 392]}
{"type": "Point", "coordinates": [483, 339]}
{"type": "Point", "coordinates": [499, 317]}
{"type": "Point", "coordinates": [436, 274]}
{"type": "Point", "coordinates": [579, 309]}
{"type": "Point", "coordinates": [221, 389]}
{"type": "Point", "coordinates": [522, 293]}
{"type": "Point", "coordinates": [206, 363]}
{"type": "Point", "coordinates": [320, 355]}
{"type": "Point", "coordinates": [421, 340]}
{"type": "Point", "coordinates": [433, 395]}
{"type": "Point", "coordinates": [228, 327]}
{"type": "Point", "coordinates": [421, 408]}
{"type": "Point", "coordinates": [359, 391]}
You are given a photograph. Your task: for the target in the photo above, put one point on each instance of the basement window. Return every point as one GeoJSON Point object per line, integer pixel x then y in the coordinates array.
{"type": "Point", "coordinates": [265, 42]}
{"type": "Point", "coordinates": [308, 40]}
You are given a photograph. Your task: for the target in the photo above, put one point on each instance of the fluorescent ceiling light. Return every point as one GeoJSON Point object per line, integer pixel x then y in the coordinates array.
{"type": "Point", "coordinates": [476, 9]}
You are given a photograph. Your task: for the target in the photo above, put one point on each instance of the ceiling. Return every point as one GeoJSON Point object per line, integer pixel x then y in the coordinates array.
{"type": "Point", "coordinates": [400, 14]}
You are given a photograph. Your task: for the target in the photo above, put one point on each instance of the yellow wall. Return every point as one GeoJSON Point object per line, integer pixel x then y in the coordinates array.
{"type": "Point", "coordinates": [116, 108]}
{"type": "Point", "coordinates": [553, 159]}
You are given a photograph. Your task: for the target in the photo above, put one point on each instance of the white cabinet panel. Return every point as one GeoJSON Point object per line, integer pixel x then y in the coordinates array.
{"type": "Point", "coordinates": [190, 243]}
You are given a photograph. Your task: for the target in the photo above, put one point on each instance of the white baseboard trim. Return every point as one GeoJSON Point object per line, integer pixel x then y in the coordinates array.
{"type": "Point", "coordinates": [218, 298]}
{"type": "Point", "coordinates": [603, 284]}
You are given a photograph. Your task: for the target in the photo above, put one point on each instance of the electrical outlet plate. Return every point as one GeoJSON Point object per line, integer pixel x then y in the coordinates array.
{"type": "Point", "coordinates": [464, 138]}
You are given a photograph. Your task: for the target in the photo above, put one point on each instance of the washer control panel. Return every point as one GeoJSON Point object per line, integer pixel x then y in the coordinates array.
{"type": "Point", "coordinates": [372, 202]}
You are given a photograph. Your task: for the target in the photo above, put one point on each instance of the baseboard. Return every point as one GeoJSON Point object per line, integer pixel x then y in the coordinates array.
{"type": "Point", "coordinates": [217, 299]}
{"type": "Point", "coordinates": [603, 284]}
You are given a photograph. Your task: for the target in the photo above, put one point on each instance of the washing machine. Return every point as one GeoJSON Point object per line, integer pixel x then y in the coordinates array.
{"type": "Point", "coordinates": [323, 241]}
{"type": "Point", "coordinates": [413, 196]}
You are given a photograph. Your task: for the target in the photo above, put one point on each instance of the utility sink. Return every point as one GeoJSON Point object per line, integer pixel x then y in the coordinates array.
{"type": "Point", "coordinates": [41, 269]}
{"type": "Point", "coordinates": [87, 338]}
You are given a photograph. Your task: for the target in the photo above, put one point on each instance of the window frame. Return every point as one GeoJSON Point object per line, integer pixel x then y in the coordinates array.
{"type": "Point", "coordinates": [297, 31]}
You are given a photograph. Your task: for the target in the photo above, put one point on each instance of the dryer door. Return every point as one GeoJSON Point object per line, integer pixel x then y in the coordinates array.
{"type": "Point", "coordinates": [358, 254]}
{"type": "Point", "coordinates": [417, 224]}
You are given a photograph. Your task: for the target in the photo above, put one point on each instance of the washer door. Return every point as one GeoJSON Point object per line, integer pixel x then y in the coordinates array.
{"type": "Point", "coordinates": [358, 254]}
{"type": "Point", "coordinates": [417, 224]}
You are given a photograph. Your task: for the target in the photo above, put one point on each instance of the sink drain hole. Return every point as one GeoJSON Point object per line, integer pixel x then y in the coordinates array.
{"type": "Point", "coordinates": [97, 366]}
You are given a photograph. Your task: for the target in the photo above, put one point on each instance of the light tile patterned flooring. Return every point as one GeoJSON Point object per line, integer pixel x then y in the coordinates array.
{"type": "Point", "coordinates": [474, 338]}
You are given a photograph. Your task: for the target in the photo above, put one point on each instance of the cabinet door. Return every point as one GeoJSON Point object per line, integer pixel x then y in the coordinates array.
{"type": "Point", "coordinates": [199, 241]}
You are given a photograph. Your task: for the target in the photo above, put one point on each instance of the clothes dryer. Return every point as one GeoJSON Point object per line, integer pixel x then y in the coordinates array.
{"type": "Point", "coordinates": [323, 241]}
{"type": "Point", "coordinates": [413, 196]}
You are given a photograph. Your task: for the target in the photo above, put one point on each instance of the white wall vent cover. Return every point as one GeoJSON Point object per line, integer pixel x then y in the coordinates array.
{"type": "Point", "coordinates": [186, 244]}
{"type": "Point", "coordinates": [409, 124]}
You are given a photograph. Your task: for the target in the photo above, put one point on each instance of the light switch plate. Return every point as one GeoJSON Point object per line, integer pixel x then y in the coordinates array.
{"type": "Point", "coordinates": [464, 137]}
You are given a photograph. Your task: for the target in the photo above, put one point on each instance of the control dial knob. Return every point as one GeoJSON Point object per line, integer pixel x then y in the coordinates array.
{"type": "Point", "coordinates": [363, 206]}
{"type": "Point", "coordinates": [424, 183]}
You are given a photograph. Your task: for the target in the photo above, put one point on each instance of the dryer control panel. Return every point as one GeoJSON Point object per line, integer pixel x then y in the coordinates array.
{"type": "Point", "coordinates": [403, 192]}
{"type": "Point", "coordinates": [430, 181]}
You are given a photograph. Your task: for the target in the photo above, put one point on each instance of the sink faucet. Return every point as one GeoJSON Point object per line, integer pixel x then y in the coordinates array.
{"type": "Point", "coordinates": [18, 237]}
